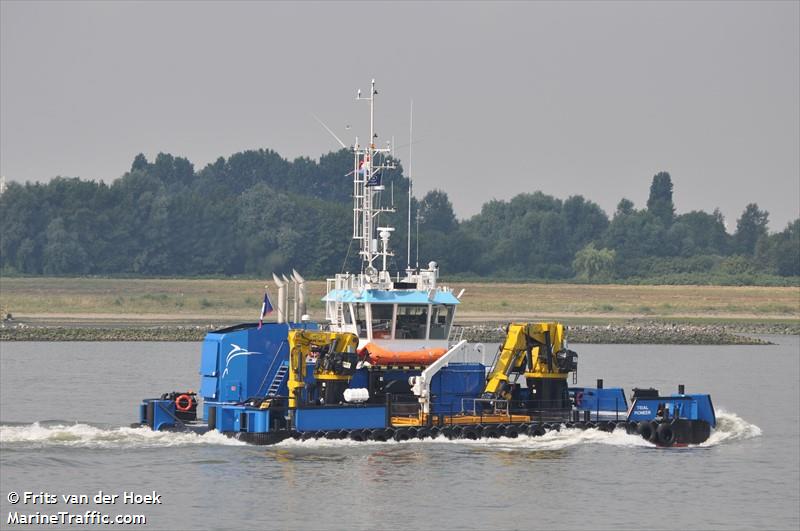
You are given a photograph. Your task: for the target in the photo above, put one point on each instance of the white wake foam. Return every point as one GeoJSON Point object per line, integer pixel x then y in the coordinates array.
{"type": "Point", "coordinates": [552, 440]}
{"type": "Point", "coordinates": [730, 428]}
{"type": "Point", "coordinates": [87, 436]}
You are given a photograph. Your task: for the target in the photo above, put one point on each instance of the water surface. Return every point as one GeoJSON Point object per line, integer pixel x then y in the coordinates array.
{"type": "Point", "coordinates": [63, 408]}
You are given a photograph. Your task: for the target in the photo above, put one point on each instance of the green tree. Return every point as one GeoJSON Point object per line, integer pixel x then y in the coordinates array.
{"type": "Point", "coordinates": [780, 253]}
{"type": "Point", "coordinates": [583, 221]}
{"type": "Point", "coordinates": [436, 212]}
{"type": "Point", "coordinates": [625, 207]}
{"type": "Point", "coordinates": [594, 264]}
{"type": "Point", "coordinates": [139, 163]}
{"type": "Point", "coordinates": [256, 212]}
{"type": "Point", "coordinates": [660, 201]}
{"type": "Point", "coordinates": [697, 233]}
{"type": "Point", "coordinates": [63, 254]}
{"type": "Point", "coordinates": [751, 226]}
{"type": "Point", "coordinates": [787, 250]}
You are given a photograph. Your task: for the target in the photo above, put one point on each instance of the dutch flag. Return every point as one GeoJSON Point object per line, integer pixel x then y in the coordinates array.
{"type": "Point", "coordinates": [266, 308]}
{"type": "Point", "coordinates": [362, 167]}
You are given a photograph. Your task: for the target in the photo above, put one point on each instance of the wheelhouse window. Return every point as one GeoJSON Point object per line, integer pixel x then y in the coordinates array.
{"type": "Point", "coordinates": [441, 319]}
{"type": "Point", "coordinates": [412, 321]}
{"type": "Point", "coordinates": [382, 321]}
{"type": "Point", "coordinates": [361, 319]}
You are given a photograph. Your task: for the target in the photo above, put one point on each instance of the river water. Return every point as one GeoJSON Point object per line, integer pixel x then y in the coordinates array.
{"type": "Point", "coordinates": [63, 408]}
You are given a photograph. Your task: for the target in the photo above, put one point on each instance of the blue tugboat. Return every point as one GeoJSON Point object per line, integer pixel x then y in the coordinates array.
{"type": "Point", "coordinates": [388, 363]}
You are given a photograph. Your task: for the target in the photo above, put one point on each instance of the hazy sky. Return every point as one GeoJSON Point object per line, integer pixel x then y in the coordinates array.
{"type": "Point", "coordinates": [570, 98]}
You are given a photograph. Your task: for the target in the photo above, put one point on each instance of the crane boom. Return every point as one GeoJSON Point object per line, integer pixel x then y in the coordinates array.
{"type": "Point", "coordinates": [537, 351]}
{"type": "Point", "coordinates": [336, 360]}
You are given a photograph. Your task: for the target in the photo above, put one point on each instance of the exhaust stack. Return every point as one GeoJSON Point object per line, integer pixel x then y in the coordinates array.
{"type": "Point", "coordinates": [281, 298]}
{"type": "Point", "coordinates": [286, 295]}
{"type": "Point", "coordinates": [301, 293]}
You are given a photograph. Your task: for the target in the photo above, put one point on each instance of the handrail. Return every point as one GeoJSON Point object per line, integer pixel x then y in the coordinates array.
{"type": "Point", "coordinates": [421, 385]}
{"type": "Point", "coordinates": [261, 385]}
{"type": "Point", "coordinates": [491, 401]}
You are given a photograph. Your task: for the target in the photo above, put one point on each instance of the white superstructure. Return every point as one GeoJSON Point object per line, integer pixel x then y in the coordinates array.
{"type": "Point", "coordinates": [397, 312]}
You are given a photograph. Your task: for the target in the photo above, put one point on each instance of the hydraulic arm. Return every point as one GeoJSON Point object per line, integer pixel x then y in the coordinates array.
{"type": "Point", "coordinates": [336, 360]}
{"type": "Point", "coordinates": [537, 351]}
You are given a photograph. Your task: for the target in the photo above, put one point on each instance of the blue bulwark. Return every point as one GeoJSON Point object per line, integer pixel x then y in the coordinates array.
{"type": "Point", "coordinates": [242, 361]}
{"type": "Point", "coordinates": [454, 383]}
{"type": "Point", "coordinates": [690, 407]}
{"type": "Point", "coordinates": [340, 418]}
{"type": "Point", "coordinates": [163, 413]}
{"type": "Point", "coordinates": [235, 419]}
{"type": "Point", "coordinates": [594, 399]}
{"type": "Point", "coordinates": [381, 296]}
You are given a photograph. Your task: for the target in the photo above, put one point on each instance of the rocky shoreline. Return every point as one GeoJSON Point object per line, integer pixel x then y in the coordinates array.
{"type": "Point", "coordinates": [24, 332]}
{"type": "Point", "coordinates": [652, 332]}
{"type": "Point", "coordinates": [633, 331]}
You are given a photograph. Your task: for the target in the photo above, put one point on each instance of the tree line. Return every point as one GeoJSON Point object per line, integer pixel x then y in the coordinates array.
{"type": "Point", "coordinates": [256, 212]}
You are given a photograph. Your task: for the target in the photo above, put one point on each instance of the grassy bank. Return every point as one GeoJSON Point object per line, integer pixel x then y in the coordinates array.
{"type": "Point", "coordinates": [96, 309]}
{"type": "Point", "coordinates": [202, 299]}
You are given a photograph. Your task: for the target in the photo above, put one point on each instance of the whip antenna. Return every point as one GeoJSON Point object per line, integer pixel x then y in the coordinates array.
{"type": "Point", "coordinates": [328, 129]}
{"type": "Point", "coordinates": [410, 142]}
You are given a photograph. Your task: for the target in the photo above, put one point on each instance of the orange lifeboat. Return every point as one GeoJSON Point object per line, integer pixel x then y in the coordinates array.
{"type": "Point", "coordinates": [377, 355]}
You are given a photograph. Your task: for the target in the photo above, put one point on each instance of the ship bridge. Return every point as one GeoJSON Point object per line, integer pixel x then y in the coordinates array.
{"type": "Point", "coordinates": [392, 314]}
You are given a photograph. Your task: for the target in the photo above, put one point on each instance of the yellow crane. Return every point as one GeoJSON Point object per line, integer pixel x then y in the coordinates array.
{"type": "Point", "coordinates": [537, 351]}
{"type": "Point", "coordinates": [336, 362]}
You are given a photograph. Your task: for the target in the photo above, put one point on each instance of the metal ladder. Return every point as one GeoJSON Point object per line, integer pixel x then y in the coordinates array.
{"type": "Point", "coordinates": [456, 334]}
{"type": "Point", "coordinates": [339, 313]}
{"type": "Point", "coordinates": [278, 380]}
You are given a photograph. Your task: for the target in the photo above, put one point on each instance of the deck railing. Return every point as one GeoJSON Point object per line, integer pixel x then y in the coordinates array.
{"type": "Point", "coordinates": [489, 409]}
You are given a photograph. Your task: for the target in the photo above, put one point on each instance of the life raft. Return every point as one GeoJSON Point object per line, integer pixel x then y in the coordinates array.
{"type": "Point", "coordinates": [378, 355]}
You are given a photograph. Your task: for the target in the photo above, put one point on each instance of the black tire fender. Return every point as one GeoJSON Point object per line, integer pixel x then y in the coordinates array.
{"type": "Point", "coordinates": [645, 429]}
{"type": "Point", "coordinates": [357, 435]}
{"type": "Point", "coordinates": [492, 432]}
{"type": "Point", "coordinates": [654, 434]}
{"type": "Point", "coordinates": [666, 434]}
{"type": "Point", "coordinates": [471, 433]}
{"type": "Point", "coordinates": [378, 434]}
{"type": "Point", "coordinates": [401, 434]}
{"type": "Point", "coordinates": [536, 430]}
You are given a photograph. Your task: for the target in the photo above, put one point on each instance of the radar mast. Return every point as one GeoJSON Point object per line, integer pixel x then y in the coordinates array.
{"type": "Point", "coordinates": [369, 163]}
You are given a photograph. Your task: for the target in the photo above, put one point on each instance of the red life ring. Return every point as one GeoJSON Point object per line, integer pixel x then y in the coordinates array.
{"type": "Point", "coordinates": [183, 403]}
{"type": "Point", "coordinates": [578, 398]}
